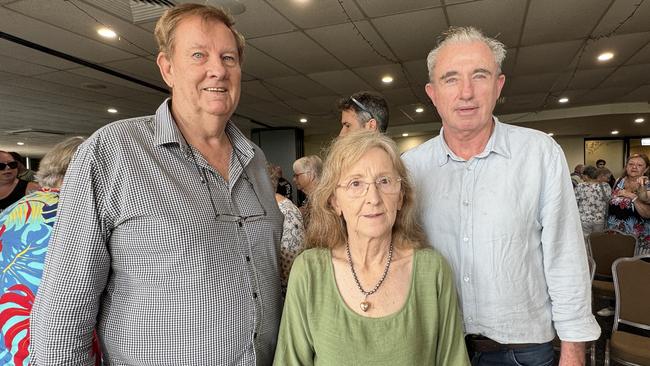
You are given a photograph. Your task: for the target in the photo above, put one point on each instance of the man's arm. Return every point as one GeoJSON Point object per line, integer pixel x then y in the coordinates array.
{"type": "Point", "coordinates": [572, 354]}
{"type": "Point", "coordinates": [565, 258]}
{"type": "Point", "coordinates": [75, 273]}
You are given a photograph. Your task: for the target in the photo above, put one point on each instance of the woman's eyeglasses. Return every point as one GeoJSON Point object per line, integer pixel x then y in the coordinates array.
{"type": "Point", "coordinates": [358, 188]}
{"type": "Point", "coordinates": [11, 165]}
{"type": "Point", "coordinates": [296, 175]}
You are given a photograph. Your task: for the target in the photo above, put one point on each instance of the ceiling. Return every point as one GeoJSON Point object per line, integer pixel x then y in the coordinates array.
{"type": "Point", "coordinates": [58, 76]}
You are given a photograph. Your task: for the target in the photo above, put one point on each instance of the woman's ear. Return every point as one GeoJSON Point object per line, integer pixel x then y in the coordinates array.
{"type": "Point", "coordinates": [335, 205]}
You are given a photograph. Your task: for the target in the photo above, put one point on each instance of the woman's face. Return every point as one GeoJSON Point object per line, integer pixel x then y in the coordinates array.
{"type": "Point", "coordinates": [635, 167]}
{"type": "Point", "coordinates": [371, 214]}
{"type": "Point", "coordinates": [7, 174]}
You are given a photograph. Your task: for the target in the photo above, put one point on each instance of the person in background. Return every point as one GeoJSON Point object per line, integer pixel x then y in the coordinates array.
{"type": "Point", "coordinates": [576, 176]}
{"type": "Point", "coordinates": [168, 230]}
{"type": "Point", "coordinates": [363, 110]}
{"type": "Point", "coordinates": [306, 175]}
{"type": "Point", "coordinates": [23, 173]}
{"type": "Point", "coordinates": [293, 230]}
{"type": "Point", "coordinates": [592, 197]}
{"type": "Point", "coordinates": [600, 163]}
{"type": "Point", "coordinates": [496, 200]}
{"type": "Point", "coordinates": [629, 207]}
{"type": "Point", "coordinates": [369, 293]}
{"type": "Point", "coordinates": [11, 187]}
{"type": "Point", "coordinates": [25, 229]}
{"type": "Point", "coordinates": [283, 187]}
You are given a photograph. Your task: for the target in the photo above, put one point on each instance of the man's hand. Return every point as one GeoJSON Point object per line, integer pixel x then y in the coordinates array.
{"type": "Point", "coordinates": [572, 354]}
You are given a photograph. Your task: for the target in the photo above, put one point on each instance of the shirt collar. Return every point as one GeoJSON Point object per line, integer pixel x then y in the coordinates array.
{"type": "Point", "coordinates": [498, 144]}
{"type": "Point", "coordinates": [166, 132]}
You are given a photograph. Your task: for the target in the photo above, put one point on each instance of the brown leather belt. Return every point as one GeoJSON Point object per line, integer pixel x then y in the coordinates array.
{"type": "Point", "coordinates": [479, 343]}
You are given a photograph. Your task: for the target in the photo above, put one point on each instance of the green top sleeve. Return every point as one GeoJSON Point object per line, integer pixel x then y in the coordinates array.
{"type": "Point", "coordinates": [318, 328]}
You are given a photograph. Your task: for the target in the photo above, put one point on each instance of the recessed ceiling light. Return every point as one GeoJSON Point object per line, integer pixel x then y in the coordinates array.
{"type": "Point", "coordinates": [419, 109]}
{"type": "Point", "coordinates": [303, 120]}
{"type": "Point", "coordinates": [605, 56]}
{"type": "Point", "coordinates": [615, 132]}
{"type": "Point", "coordinates": [405, 135]}
{"type": "Point", "coordinates": [563, 100]}
{"type": "Point", "coordinates": [106, 33]}
{"type": "Point", "coordinates": [20, 143]}
{"type": "Point", "coordinates": [111, 110]}
{"type": "Point", "coordinates": [387, 79]}
{"type": "Point", "coordinates": [639, 120]}
{"type": "Point", "coordinates": [550, 134]}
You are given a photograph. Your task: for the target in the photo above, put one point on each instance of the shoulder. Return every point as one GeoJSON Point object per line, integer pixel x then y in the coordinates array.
{"type": "Point", "coordinates": [425, 149]}
{"type": "Point", "coordinates": [528, 138]}
{"type": "Point", "coordinates": [429, 257]}
{"type": "Point", "coordinates": [310, 265]}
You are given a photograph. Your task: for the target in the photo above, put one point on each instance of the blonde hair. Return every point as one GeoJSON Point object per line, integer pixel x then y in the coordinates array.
{"type": "Point", "coordinates": [327, 228]}
{"type": "Point", "coordinates": [466, 35]}
{"type": "Point", "coordinates": [165, 31]}
{"type": "Point", "coordinates": [54, 164]}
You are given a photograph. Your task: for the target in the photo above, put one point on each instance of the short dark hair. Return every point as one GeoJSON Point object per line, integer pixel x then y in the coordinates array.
{"type": "Point", "coordinates": [590, 171]}
{"type": "Point", "coordinates": [600, 161]}
{"type": "Point", "coordinates": [19, 158]}
{"type": "Point", "coordinates": [375, 105]}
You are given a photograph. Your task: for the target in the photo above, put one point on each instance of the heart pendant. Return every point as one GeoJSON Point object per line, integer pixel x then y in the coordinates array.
{"type": "Point", "coordinates": [364, 306]}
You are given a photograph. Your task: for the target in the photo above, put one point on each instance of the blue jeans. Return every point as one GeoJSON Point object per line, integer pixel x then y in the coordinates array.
{"type": "Point", "coordinates": [538, 355]}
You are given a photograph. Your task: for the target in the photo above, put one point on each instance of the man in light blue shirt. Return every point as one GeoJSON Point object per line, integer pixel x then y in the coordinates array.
{"type": "Point", "coordinates": [497, 202]}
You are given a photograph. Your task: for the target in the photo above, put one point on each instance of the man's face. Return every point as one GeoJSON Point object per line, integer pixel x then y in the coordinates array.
{"type": "Point", "coordinates": [350, 122]}
{"type": "Point", "coordinates": [203, 70]}
{"type": "Point", "coordinates": [600, 165]}
{"type": "Point", "coordinates": [465, 87]}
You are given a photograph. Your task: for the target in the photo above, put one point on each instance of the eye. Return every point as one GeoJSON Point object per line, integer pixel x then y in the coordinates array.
{"type": "Point", "coordinates": [384, 181]}
{"type": "Point", "coordinates": [480, 76]}
{"type": "Point", "coordinates": [355, 183]}
{"type": "Point", "coordinates": [198, 55]}
{"type": "Point", "coordinates": [229, 60]}
{"type": "Point", "coordinates": [450, 80]}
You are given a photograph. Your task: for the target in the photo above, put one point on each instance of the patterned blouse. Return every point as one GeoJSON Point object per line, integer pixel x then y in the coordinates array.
{"type": "Point", "coordinates": [624, 217]}
{"type": "Point", "coordinates": [592, 199]}
{"type": "Point", "coordinates": [25, 229]}
{"type": "Point", "coordinates": [293, 238]}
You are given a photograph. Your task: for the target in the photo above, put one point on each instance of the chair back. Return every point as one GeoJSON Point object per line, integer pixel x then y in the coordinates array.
{"type": "Point", "coordinates": [631, 283]}
{"type": "Point", "coordinates": [606, 247]}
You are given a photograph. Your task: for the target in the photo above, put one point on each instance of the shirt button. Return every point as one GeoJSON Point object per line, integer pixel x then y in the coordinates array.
{"type": "Point", "coordinates": [248, 259]}
{"type": "Point", "coordinates": [254, 295]}
{"type": "Point", "coordinates": [255, 335]}
{"type": "Point", "coordinates": [469, 319]}
{"type": "Point", "coordinates": [465, 203]}
{"type": "Point", "coordinates": [466, 278]}
{"type": "Point", "coordinates": [465, 239]}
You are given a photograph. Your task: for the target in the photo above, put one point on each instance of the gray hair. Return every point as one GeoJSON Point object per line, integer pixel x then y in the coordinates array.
{"type": "Point", "coordinates": [311, 163]}
{"type": "Point", "coordinates": [55, 163]}
{"type": "Point", "coordinates": [466, 35]}
{"type": "Point", "coordinates": [590, 171]}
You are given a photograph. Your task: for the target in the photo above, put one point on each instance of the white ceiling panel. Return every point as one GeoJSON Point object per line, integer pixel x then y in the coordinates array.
{"type": "Point", "coordinates": [558, 20]}
{"type": "Point", "coordinates": [641, 57]}
{"type": "Point", "coordinates": [546, 58]}
{"type": "Point", "coordinates": [639, 94]}
{"type": "Point", "coordinates": [582, 79]}
{"type": "Point", "coordinates": [473, 14]}
{"type": "Point", "coordinates": [621, 10]}
{"type": "Point", "coordinates": [297, 51]}
{"type": "Point", "coordinates": [412, 35]}
{"type": "Point", "coordinates": [58, 38]}
{"type": "Point", "coordinates": [602, 95]}
{"type": "Point", "coordinates": [343, 82]}
{"type": "Point", "coordinates": [633, 75]}
{"type": "Point", "coordinates": [249, 24]}
{"type": "Point", "coordinates": [95, 77]}
{"type": "Point", "coordinates": [373, 75]}
{"type": "Point", "coordinates": [623, 47]}
{"type": "Point", "coordinates": [259, 65]}
{"type": "Point", "coordinates": [531, 84]}
{"type": "Point", "coordinates": [417, 70]}
{"type": "Point", "coordinates": [301, 86]}
{"type": "Point", "coordinates": [376, 8]}
{"type": "Point", "coordinates": [310, 14]}
{"type": "Point", "coordinates": [34, 56]}
{"type": "Point", "coordinates": [141, 68]}
{"type": "Point", "coordinates": [265, 91]}
{"type": "Point", "coordinates": [77, 81]}
{"type": "Point", "coordinates": [84, 20]}
{"type": "Point", "coordinates": [355, 51]}
{"type": "Point", "coordinates": [20, 67]}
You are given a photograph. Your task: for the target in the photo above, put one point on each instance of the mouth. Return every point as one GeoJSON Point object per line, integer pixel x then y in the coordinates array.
{"type": "Point", "coordinates": [373, 215]}
{"type": "Point", "coordinates": [466, 109]}
{"type": "Point", "coordinates": [216, 90]}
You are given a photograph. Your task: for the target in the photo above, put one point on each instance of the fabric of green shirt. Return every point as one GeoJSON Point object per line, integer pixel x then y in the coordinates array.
{"type": "Point", "coordinates": [318, 328]}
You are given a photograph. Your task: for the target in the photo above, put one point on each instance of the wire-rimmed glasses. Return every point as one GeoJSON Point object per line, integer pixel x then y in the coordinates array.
{"type": "Point", "coordinates": [385, 184]}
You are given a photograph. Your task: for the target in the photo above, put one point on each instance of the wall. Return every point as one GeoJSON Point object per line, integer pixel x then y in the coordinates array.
{"type": "Point", "coordinates": [573, 148]}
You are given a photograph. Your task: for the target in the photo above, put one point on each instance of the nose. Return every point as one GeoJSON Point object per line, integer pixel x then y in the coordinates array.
{"type": "Point", "coordinates": [466, 89]}
{"type": "Point", "coordinates": [216, 68]}
{"type": "Point", "coordinates": [372, 194]}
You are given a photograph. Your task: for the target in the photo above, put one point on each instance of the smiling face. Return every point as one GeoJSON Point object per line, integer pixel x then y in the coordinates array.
{"type": "Point", "coordinates": [465, 87]}
{"type": "Point", "coordinates": [372, 215]}
{"type": "Point", "coordinates": [203, 71]}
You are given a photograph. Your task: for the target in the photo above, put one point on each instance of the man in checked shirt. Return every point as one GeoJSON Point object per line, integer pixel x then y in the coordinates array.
{"type": "Point", "coordinates": [168, 228]}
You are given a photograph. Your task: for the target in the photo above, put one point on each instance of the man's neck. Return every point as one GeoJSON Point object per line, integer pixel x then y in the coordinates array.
{"type": "Point", "coordinates": [467, 144]}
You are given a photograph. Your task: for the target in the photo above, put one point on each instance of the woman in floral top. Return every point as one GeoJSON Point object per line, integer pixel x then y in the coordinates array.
{"type": "Point", "coordinates": [629, 207]}
{"type": "Point", "coordinates": [592, 196]}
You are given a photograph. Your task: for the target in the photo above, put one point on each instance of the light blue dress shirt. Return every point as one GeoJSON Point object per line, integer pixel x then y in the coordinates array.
{"type": "Point", "coordinates": [507, 222]}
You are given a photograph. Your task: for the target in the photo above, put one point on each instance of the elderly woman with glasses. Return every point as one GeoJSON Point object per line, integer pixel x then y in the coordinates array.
{"type": "Point", "coordinates": [11, 188]}
{"type": "Point", "coordinates": [368, 293]}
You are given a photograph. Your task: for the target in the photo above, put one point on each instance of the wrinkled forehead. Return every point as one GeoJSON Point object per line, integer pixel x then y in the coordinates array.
{"type": "Point", "coordinates": [6, 157]}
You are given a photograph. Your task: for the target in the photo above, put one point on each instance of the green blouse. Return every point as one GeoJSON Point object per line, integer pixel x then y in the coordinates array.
{"type": "Point", "coordinates": [318, 328]}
